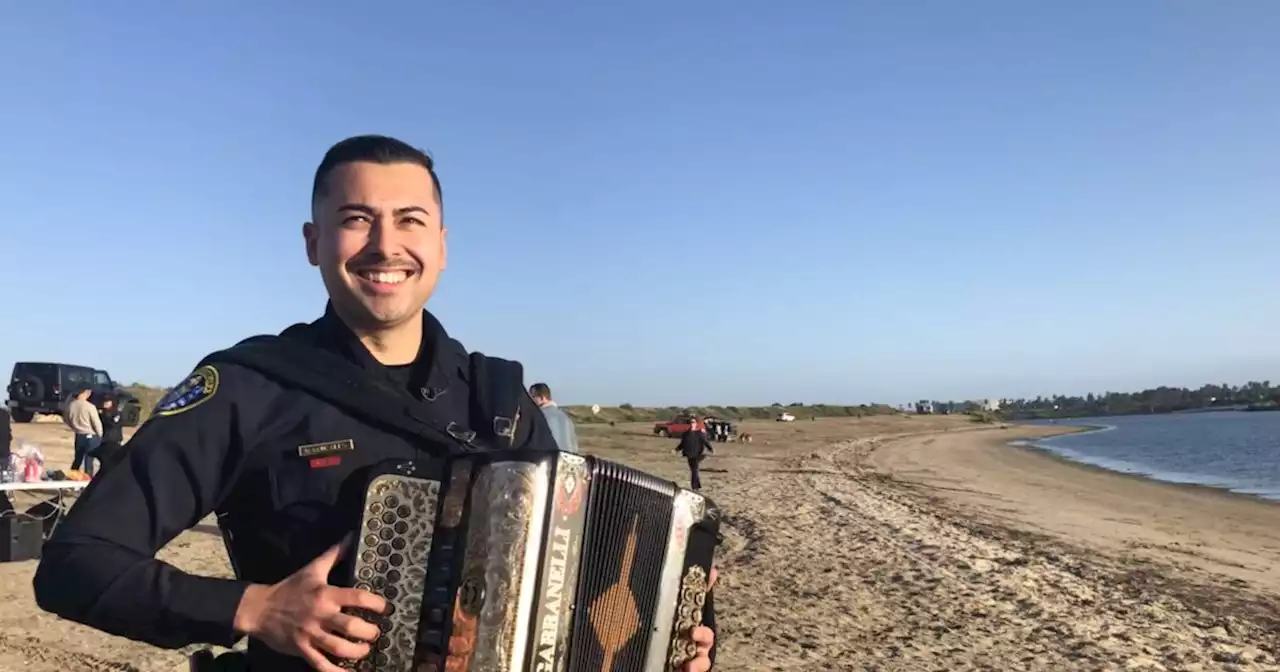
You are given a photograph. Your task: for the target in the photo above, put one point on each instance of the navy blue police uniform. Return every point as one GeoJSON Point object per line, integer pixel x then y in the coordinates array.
{"type": "Point", "coordinates": [282, 467]}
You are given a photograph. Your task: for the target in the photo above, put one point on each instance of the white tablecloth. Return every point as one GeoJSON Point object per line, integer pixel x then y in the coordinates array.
{"type": "Point", "coordinates": [44, 485]}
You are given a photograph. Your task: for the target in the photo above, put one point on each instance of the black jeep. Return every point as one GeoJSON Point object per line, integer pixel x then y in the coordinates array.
{"type": "Point", "coordinates": [43, 387]}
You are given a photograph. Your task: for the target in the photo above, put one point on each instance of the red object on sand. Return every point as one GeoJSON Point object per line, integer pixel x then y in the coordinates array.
{"type": "Point", "coordinates": [31, 471]}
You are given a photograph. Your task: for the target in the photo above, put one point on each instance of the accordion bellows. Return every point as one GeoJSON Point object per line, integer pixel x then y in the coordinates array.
{"type": "Point", "coordinates": [534, 562]}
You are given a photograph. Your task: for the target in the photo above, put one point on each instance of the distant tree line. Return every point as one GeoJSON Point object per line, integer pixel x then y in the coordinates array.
{"type": "Point", "coordinates": [1156, 400]}
{"type": "Point", "coordinates": [632, 413]}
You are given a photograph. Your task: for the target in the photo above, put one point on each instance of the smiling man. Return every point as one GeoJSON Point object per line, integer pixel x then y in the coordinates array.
{"type": "Point", "coordinates": [282, 456]}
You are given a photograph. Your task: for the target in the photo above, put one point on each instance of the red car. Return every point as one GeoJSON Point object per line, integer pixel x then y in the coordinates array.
{"type": "Point", "coordinates": [674, 427]}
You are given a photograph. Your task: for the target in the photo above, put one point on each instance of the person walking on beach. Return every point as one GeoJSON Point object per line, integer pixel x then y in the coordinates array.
{"type": "Point", "coordinates": [694, 445]}
{"type": "Point", "coordinates": [83, 419]}
{"type": "Point", "coordinates": [559, 421]}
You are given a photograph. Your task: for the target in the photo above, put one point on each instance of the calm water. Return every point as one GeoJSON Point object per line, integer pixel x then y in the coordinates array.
{"type": "Point", "coordinates": [1232, 450]}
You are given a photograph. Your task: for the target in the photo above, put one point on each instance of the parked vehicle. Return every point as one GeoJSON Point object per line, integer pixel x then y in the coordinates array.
{"type": "Point", "coordinates": [719, 430]}
{"type": "Point", "coordinates": [46, 387]}
{"type": "Point", "coordinates": [786, 417]}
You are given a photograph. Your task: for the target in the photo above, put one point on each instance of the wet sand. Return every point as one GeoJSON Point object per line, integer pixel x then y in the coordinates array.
{"type": "Point", "coordinates": [891, 544]}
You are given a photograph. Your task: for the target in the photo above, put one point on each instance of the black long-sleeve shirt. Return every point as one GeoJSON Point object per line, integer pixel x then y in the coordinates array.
{"type": "Point", "coordinates": [6, 433]}
{"type": "Point", "coordinates": [227, 440]}
{"type": "Point", "coordinates": [693, 443]}
{"type": "Point", "coordinates": [111, 429]}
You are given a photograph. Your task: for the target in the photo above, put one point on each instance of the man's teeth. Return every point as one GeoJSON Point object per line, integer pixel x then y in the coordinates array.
{"type": "Point", "coordinates": [386, 277]}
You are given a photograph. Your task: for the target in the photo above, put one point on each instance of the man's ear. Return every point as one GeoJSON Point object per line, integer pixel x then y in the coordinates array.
{"type": "Point", "coordinates": [309, 235]}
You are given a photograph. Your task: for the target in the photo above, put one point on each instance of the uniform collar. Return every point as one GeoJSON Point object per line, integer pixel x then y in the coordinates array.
{"type": "Point", "coordinates": [431, 368]}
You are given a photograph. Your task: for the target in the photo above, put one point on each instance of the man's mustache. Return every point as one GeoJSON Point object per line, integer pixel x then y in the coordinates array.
{"type": "Point", "coordinates": [379, 263]}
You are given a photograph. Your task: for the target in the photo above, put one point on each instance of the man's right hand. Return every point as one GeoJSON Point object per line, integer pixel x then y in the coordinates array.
{"type": "Point", "coordinates": [302, 615]}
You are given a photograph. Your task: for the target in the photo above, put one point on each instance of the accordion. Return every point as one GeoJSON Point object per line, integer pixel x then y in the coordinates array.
{"type": "Point", "coordinates": [524, 561]}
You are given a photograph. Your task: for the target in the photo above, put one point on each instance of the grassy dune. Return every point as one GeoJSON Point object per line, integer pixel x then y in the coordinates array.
{"type": "Point", "coordinates": [149, 396]}
{"type": "Point", "coordinates": [628, 413]}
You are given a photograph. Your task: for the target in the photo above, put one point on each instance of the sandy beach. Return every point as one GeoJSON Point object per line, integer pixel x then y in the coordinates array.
{"type": "Point", "coordinates": [890, 543]}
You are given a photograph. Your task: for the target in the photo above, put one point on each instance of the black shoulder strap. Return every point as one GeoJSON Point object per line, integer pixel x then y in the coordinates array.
{"type": "Point", "coordinates": [496, 387]}
{"type": "Point", "coordinates": [338, 382]}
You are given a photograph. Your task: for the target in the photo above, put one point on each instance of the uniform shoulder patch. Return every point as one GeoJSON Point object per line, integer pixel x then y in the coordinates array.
{"type": "Point", "coordinates": [194, 390]}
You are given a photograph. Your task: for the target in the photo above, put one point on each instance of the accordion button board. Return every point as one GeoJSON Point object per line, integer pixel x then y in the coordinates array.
{"type": "Point", "coordinates": [396, 536]}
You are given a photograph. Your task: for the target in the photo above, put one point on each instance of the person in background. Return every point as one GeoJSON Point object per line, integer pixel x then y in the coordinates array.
{"type": "Point", "coordinates": [693, 445]}
{"type": "Point", "coordinates": [6, 437]}
{"type": "Point", "coordinates": [561, 424]}
{"type": "Point", "coordinates": [83, 419]}
{"type": "Point", "coordinates": [112, 434]}
{"type": "Point", "coordinates": [6, 441]}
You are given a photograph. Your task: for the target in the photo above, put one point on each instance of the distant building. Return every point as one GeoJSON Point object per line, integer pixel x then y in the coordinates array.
{"type": "Point", "coordinates": [990, 404]}
{"type": "Point", "coordinates": [924, 407]}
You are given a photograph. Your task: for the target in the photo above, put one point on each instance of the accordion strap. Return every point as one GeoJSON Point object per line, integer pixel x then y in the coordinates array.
{"type": "Point", "coordinates": [341, 383]}
{"type": "Point", "coordinates": [496, 388]}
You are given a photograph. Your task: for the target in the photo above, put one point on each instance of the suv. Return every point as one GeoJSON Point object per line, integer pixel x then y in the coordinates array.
{"type": "Point", "coordinates": [42, 387]}
{"type": "Point", "coordinates": [673, 427]}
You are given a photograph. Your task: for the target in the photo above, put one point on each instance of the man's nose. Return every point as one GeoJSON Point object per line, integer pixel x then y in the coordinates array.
{"type": "Point", "coordinates": [383, 237]}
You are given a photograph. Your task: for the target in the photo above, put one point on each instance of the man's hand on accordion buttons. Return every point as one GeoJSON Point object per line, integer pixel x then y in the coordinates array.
{"type": "Point", "coordinates": [704, 637]}
{"type": "Point", "coordinates": [302, 615]}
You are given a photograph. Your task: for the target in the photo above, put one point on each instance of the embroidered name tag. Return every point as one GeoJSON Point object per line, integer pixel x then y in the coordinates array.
{"type": "Point", "coordinates": [327, 448]}
{"type": "Point", "coordinates": [322, 462]}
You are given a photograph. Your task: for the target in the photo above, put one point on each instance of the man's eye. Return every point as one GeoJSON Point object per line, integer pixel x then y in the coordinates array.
{"type": "Point", "coordinates": [414, 221]}
{"type": "Point", "coordinates": [355, 220]}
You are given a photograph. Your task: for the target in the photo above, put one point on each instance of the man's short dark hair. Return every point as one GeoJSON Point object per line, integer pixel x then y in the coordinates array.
{"type": "Point", "coordinates": [540, 390]}
{"type": "Point", "coordinates": [372, 149]}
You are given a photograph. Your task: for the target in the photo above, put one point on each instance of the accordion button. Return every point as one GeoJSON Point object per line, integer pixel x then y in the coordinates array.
{"type": "Point", "coordinates": [435, 616]}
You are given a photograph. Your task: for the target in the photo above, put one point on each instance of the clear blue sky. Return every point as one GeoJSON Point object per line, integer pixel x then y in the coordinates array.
{"type": "Point", "coordinates": [670, 202]}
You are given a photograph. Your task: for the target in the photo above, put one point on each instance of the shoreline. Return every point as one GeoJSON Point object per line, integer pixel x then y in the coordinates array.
{"type": "Point", "coordinates": [985, 477]}
{"type": "Point", "coordinates": [1029, 443]}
